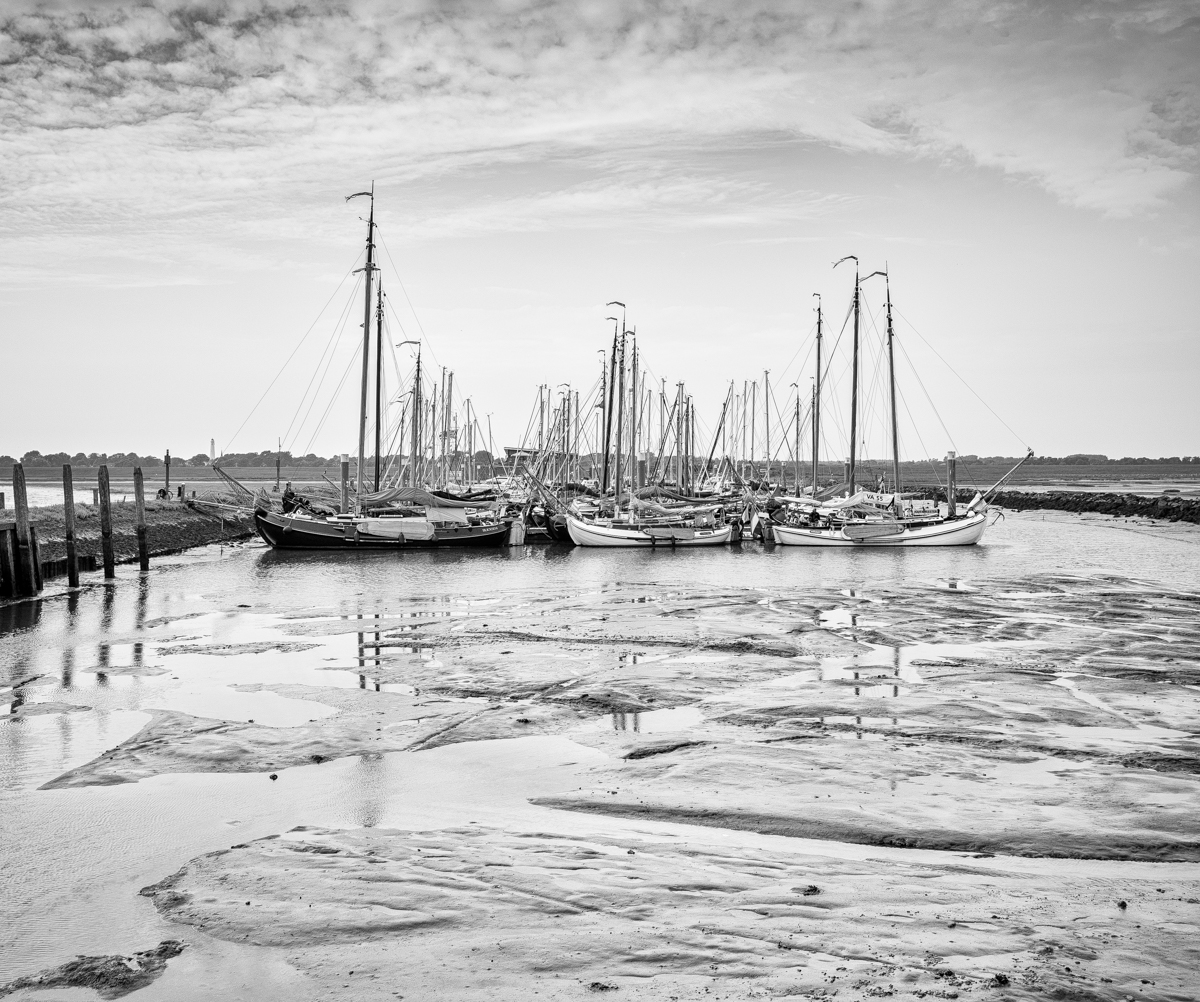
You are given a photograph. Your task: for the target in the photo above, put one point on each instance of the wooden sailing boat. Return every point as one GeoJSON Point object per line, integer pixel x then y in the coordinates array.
{"type": "Point", "coordinates": [869, 518]}
{"type": "Point", "coordinates": [399, 518]}
{"type": "Point", "coordinates": [627, 527]}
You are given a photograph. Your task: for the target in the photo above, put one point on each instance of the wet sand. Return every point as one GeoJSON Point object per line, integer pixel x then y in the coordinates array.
{"type": "Point", "coordinates": [734, 776]}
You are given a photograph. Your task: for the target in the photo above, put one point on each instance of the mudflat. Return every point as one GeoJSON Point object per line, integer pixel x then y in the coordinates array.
{"type": "Point", "coordinates": [727, 775]}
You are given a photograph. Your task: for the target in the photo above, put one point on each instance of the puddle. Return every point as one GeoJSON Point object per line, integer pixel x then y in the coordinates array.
{"type": "Point", "coordinates": [679, 718]}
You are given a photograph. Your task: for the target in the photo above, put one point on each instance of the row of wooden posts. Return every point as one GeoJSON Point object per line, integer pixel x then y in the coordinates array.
{"type": "Point", "coordinates": [20, 561]}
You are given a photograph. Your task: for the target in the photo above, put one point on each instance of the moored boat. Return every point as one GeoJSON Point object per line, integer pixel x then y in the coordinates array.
{"type": "Point", "coordinates": [299, 530]}
{"type": "Point", "coordinates": [611, 533]}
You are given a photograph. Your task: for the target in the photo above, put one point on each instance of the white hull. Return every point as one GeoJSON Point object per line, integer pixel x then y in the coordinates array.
{"type": "Point", "coordinates": [590, 534]}
{"type": "Point", "coordinates": [960, 532]}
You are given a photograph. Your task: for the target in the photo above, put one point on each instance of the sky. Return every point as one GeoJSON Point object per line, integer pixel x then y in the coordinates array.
{"type": "Point", "coordinates": [173, 223]}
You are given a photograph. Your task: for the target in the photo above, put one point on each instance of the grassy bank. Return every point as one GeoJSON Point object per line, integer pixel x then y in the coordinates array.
{"type": "Point", "coordinates": [170, 527]}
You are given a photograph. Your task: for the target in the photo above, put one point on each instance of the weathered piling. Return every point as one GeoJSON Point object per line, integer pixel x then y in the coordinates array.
{"type": "Point", "coordinates": [139, 504]}
{"type": "Point", "coordinates": [8, 535]}
{"type": "Point", "coordinates": [951, 485]}
{"type": "Point", "coordinates": [106, 535]}
{"type": "Point", "coordinates": [345, 483]}
{"type": "Point", "coordinates": [69, 523]}
{"type": "Point", "coordinates": [35, 554]}
{"type": "Point", "coordinates": [25, 574]}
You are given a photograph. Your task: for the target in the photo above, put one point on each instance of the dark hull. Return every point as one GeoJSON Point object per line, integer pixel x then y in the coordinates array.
{"type": "Point", "coordinates": [556, 527]}
{"type": "Point", "coordinates": [293, 534]}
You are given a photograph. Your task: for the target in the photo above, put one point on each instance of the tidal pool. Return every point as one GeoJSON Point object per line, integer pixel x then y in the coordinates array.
{"type": "Point", "coordinates": [738, 774]}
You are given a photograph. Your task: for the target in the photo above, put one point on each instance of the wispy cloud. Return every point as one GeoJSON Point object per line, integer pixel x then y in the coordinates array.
{"type": "Point", "coordinates": [198, 124]}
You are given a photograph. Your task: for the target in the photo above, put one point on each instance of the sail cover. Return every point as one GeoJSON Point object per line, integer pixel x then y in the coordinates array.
{"type": "Point", "coordinates": [416, 496]}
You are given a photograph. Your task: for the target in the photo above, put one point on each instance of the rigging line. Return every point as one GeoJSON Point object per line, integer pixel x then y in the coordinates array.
{"type": "Point", "coordinates": [317, 392]}
{"type": "Point", "coordinates": [333, 399]}
{"type": "Point", "coordinates": [805, 341]}
{"type": "Point", "coordinates": [292, 355]}
{"type": "Point", "coordinates": [412, 309]}
{"type": "Point", "coordinates": [932, 406]}
{"type": "Point", "coordinates": [917, 432]}
{"type": "Point", "coordinates": [1019, 438]}
{"type": "Point", "coordinates": [338, 331]}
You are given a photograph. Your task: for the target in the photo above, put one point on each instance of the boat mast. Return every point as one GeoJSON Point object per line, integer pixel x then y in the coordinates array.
{"type": "Point", "coordinates": [633, 420]}
{"type": "Point", "coordinates": [853, 379]}
{"type": "Point", "coordinates": [448, 443]}
{"type": "Point", "coordinates": [417, 404]}
{"type": "Point", "coordinates": [378, 378]}
{"type": "Point", "coordinates": [369, 269]}
{"type": "Point", "coordinates": [891, 379]}
{"type": "Point", "coordinates": [796, 458]}
{"type": "Point", "coordinates": [892, 387]}
{"type": "Point", "coordinates": [816, 413]}
{"type": "Point", "coordinates": [767, 420]}
{"type": "Point", "coordinates": [620, 478]}
{"type": "Point", "coordinates": [608, 407]}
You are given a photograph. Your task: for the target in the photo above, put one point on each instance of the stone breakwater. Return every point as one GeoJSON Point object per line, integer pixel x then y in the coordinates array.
{"type": "Point", "coordinates": [1168, 507]}
{"type": "Point", "coordinates": [170, 528]}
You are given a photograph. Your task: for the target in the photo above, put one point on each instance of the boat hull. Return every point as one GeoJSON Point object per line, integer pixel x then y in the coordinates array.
{"type": "Point", "coordinates": [960, 532]}
{"type": "Point", "coordinates": [590, 534]}
{"type": "Point", "coordinates": [287, 532]}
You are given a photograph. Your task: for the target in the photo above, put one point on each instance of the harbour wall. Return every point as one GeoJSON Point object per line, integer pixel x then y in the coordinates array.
{"type": "Point", "coordinates": [1168, 507]}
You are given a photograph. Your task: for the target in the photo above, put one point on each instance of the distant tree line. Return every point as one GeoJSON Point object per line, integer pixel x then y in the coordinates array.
{"type": "Point", "coordinates": [267, 459]}
{"type": "Point", "coordinates": [232, 459]}
{"type": "Point", "coordinates": [1085, 459]}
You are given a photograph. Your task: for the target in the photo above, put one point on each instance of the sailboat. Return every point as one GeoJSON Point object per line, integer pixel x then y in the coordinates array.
{"type": "Point", "coordinates": [386, 518]}
{"type": "Point", "coordinates": [633, 523]}
{"type": "Point", "coordinates": [875, 518]}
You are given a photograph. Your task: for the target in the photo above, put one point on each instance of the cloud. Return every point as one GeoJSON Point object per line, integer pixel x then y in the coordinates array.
{"type": "Point", "coordinates": [198, 124]}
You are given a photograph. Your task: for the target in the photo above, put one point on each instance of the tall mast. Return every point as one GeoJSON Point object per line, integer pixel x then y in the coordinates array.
{"type": "Point", "coordinates": [369, 269]}
{"type": "Point", "coordinates": [679, 436]}
{"type": "Point", "coordinates": [753, 421]}
{"type": "Point", "coordinates": [608, 410]}
{"type": "Point", "coordinates": [447, 422]}
{"type": "Point", "coordinates": [378, 378]}
{"type": "Point", "coordinates": [767, 420]}
{"type": "Point", "coordinates": [853, 380]}
{"type": "Point", "coordinates": [633, 421]}
{"type": "Point", "coordinates": [892, 387]}
{"type": "Point", "coordinates": [816, 407]}
{"type": "Point", "coordinates": [620, 478]}
{"type": "Point", "coordinates": [796, 457]}
{"type": "Point", "coordinates": [416, 421]}
{"type": "Point", "coordinates": [576, 448]}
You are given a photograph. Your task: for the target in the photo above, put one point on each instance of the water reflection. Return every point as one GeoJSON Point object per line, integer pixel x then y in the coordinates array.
{"type": "Point", "coordinates": [676, 718]}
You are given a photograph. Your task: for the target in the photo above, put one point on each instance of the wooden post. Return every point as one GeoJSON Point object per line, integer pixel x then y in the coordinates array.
{"type": "Point", "coordinates": [35, 558]}
{"type": "Point", "coordinates": [8, 561]}
{"type": "Point", "coordinates": [139, 503]}
{"type": "Point", "coordinates": [69, 521]}
{"type": "Point", "coordinates": [95, 495]}
{"type": "Point", "coordinates": [1, 500]}
{"type": "Point", "coordinates": [106, 541]}
{"type": "Point", "coordinates": [25, 577]}
{"type": "Point", "coordinates": [345, 484]}
{"type": "Point", "coordinates": [951, 485]}
{"type": "Point", "coordinates": [167, 464]}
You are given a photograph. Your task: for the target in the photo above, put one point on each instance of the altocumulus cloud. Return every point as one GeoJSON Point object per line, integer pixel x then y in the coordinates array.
{"type": "Point", "coordinates": [205, 122]}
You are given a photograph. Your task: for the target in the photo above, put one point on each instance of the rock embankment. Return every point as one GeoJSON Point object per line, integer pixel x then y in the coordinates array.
{"type": "Point", "coordinates": [1171, 508]}
{"type": "Point", "coordinates": [170, 527]}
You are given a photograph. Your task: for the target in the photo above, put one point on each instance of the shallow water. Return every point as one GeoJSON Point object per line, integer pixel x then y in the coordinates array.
{"type": "Point", "coordinates": [1026, 691]}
